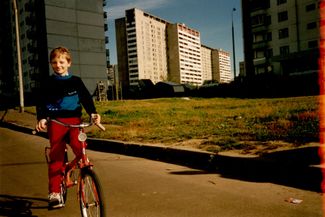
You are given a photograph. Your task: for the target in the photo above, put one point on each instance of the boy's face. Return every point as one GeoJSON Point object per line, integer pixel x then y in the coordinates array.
{"type": "Point", "coordinates": [60, 65]}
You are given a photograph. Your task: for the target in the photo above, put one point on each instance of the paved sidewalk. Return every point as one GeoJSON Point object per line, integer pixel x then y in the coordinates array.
{"type": "Point", "coordinates": [14, 116]}
{"type": "Point", "coordinates": [25, 122]}
{"type": "Point", "coordinates": [297, 168]}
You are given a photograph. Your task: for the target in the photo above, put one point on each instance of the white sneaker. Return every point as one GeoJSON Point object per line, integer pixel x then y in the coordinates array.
{"type": "Point", "coordinates": [55, 201]}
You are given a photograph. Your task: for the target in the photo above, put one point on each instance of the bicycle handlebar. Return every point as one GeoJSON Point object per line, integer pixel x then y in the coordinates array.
{"type": "Point", "coordinates": [81, 125]}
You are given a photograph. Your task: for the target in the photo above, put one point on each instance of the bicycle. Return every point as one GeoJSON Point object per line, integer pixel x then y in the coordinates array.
{"type": "Point", "coordinates": [80, 172]}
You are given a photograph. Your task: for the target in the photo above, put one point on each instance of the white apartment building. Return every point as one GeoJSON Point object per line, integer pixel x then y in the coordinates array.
{"type": "Point", "coordinates": [221, 66]}
{"type": "Point", "coordinates": [206, 63]}
{"type": "Point", "coordinates": [146, 47]}
{"type": "Point", "coordinates": [184, 54]}
{"type": "Point", "coordinates": [149, 47]}
{"type": "Point", "coordinates": [215, 65]}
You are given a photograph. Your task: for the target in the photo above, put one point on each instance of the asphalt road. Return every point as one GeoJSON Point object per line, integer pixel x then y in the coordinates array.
{"type": "Point", "coordinates": [136, 187]}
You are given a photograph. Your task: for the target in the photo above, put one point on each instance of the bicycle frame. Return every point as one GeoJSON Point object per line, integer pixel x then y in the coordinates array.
{"type": "Point", "coordinates": [81, 161]}
{"type": "Point", "coordinates": [85, 167]}
{"type": "Point", "coordinates": [90, 195]}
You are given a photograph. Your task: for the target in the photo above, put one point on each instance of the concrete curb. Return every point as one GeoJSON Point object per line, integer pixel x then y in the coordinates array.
{"type": "Point", "coordinates": [191, 158]}
{"type": "Point", "coordinates": [292, 167]}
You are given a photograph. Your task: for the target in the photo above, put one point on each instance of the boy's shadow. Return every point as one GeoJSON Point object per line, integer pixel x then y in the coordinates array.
{"type": "Point", "coordinates": [20, 206]}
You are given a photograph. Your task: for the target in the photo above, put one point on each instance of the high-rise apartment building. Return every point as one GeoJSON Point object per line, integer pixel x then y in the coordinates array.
{"type": "Point", "coordinates": [144, 53]}
{"type": "Point", "coordinates": [215, 65]}
{"type": "Point", "coordinates": [206, 63]}
{"type": "Point", "coordinates": [221, 69]}
{"type": "Point", "coordinates": [77, 24]}
{"type": "Point", "coordinates": [281, 37]}
{"type": "Point", "coordinates": [184, 54]}
{"type": "Point", "coordinates": [149, 47]}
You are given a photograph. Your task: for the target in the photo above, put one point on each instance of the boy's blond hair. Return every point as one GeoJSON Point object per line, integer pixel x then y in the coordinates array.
{"type": "Point", "coordinates": [61, 51]}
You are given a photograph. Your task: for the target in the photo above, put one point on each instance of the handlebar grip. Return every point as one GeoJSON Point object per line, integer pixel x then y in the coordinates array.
{"type": "Point", "coordinates": [100, 126]}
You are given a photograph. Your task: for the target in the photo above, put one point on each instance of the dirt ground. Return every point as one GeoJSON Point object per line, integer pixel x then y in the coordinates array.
{"type": "Point", "coordinates": [253, 148]}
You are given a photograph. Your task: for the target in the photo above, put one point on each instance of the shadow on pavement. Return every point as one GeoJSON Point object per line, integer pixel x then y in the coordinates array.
{"type": "Point", "coordinates": [294, 168]}
{"type": "Point", "coordinates": [20, 206]}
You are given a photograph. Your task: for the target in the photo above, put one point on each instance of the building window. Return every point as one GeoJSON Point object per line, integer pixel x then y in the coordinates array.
{"type": "Point", "coordinates": [258, 37]}
{"type": "Point", "coordinates": [260, 4]}
{"type": "Point", "coordinates": [269, 53]}
{"type": "Point", "coordinates": [281, 2]}
{"type": "Point", "coordinates": [268, 20]}
{"type": "Point", "coordinates": [313, 44]}
{"type": "Point", "coordinates": [258, 20]}
{"type": "Point", "coordinates": [259, 54]}
{"type": "Point", "coordinates": [312, 25]}
{"type": "Point", "coordinates": [269, 36]}
{"type": "Point", "coordinates": [311, 7]}
{"type": "Point", "coordinates": [284, 50]}
{"type": "Point", "coordinates": [283, 33]}
{"type": "Point", "coordinates": [283, 16]}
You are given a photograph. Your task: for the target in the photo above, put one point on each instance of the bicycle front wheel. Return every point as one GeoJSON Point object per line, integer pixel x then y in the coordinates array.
{"type": "Point", "coordinates": [90, 194]}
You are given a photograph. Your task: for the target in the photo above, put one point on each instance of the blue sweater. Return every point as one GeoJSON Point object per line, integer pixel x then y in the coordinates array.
{"type": "Point", "coordinates": [64, 97]}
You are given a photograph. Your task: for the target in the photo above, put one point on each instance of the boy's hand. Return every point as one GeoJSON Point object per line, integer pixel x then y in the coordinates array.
{"type": "Point", "coordinates": [95, 118]}
{"type": "Point", "coordinates": [41, 125]}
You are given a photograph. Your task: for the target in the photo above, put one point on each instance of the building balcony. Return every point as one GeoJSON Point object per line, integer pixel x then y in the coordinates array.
{"type": "Point", "coordinates": [259, 61]}
{"type": "Point", "coordinates": [259, 28]}
{"type": "Point", "coordinates": [259, 45]}
{"type": "Point", "coordinates": [256, 5]}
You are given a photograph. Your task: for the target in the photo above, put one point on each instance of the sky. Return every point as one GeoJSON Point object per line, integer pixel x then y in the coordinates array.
{"type": "Point", "coordinates": [212, 18]}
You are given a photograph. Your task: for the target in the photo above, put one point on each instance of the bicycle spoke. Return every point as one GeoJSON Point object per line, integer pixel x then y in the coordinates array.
{"type": "Point", "coordinates": [90, 202]}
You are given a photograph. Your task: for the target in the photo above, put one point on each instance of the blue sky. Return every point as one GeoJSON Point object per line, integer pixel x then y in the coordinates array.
{"type": "Point", "coordinates": [212, 18]}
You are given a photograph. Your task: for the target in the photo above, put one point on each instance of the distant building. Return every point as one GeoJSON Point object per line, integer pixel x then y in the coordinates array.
{"type": "Point", "coordinates": [221, 69]}
{"type": "Point", "coordinates": [215, 65]}
{"type": "Point", "coordinates": [141, 47]}
{"type": "Point", "coordinates": [184, 54]}
{"type": "Point", "coordinates": [146, 41]}
{"type": "Point", "coordinates": [114, 85]}
{"type": "Point", "coordinates": [206, 63]}
{"type": "Point", "coordinates": [242, 72]}
{"type": "Point", "coordinates": [43, 25]}
{"type": "Point", "coordinates": [281, 37]}
{"type": "Point", "coordinates": [149, 47]}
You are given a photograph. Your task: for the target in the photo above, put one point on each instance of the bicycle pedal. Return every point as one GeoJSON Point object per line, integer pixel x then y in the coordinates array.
{"type": "Point", "coordinates": [71, 183]}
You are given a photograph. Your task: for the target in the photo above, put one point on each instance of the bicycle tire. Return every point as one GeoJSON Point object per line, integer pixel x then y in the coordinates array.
{"type": "Point", "coordinates": [63, 187]}
{"type": "Point", "coordinates": [91, 198]}
{"type": "Point", "coordinates": [64, 192]}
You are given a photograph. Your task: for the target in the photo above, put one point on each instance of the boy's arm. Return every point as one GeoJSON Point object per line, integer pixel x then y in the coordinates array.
{"type": "Point", "coordinates": [41, 112]}
{"type": "Point", "coordinates": [41, 95]}
{"type": "Point", "coordinates": [86, 99]}
{"type": "Point", "coordinates": [88, 103]}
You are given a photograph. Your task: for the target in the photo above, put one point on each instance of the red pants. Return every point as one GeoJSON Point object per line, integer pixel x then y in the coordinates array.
{"type": "Point", "coordinates": [59, 135]}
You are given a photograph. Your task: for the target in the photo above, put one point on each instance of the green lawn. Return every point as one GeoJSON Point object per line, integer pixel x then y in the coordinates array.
{"type": "Point", "coordinates": [215, 124]}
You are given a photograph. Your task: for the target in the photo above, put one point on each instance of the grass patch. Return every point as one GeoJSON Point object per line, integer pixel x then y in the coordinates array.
{"type": "Point", "coordinates": [219, 123]}
{"type": "Point", "coordinates": [214, 124]}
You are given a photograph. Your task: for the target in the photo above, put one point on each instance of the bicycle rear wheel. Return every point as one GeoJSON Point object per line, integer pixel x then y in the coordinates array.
{"type": "Point", "coordinates": [64, 192]}
{"type": "Point", "coordinates": [64, 188]}
{"type": "Point", "coordinates": [90, 194]}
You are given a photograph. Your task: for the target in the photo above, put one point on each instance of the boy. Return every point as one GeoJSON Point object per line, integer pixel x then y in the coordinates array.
{"type": "Point", "coordinates": [62, 95]}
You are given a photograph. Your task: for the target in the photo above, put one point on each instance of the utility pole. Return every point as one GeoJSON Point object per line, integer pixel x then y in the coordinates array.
{"type": "Point", "coordinates": [20, 74]}
{"type": "Point", "coordinates": [233, 41]}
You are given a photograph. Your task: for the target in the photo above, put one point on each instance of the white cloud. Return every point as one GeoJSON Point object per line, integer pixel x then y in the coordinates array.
{"type": "Point", "coordinates": [116, 8]}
